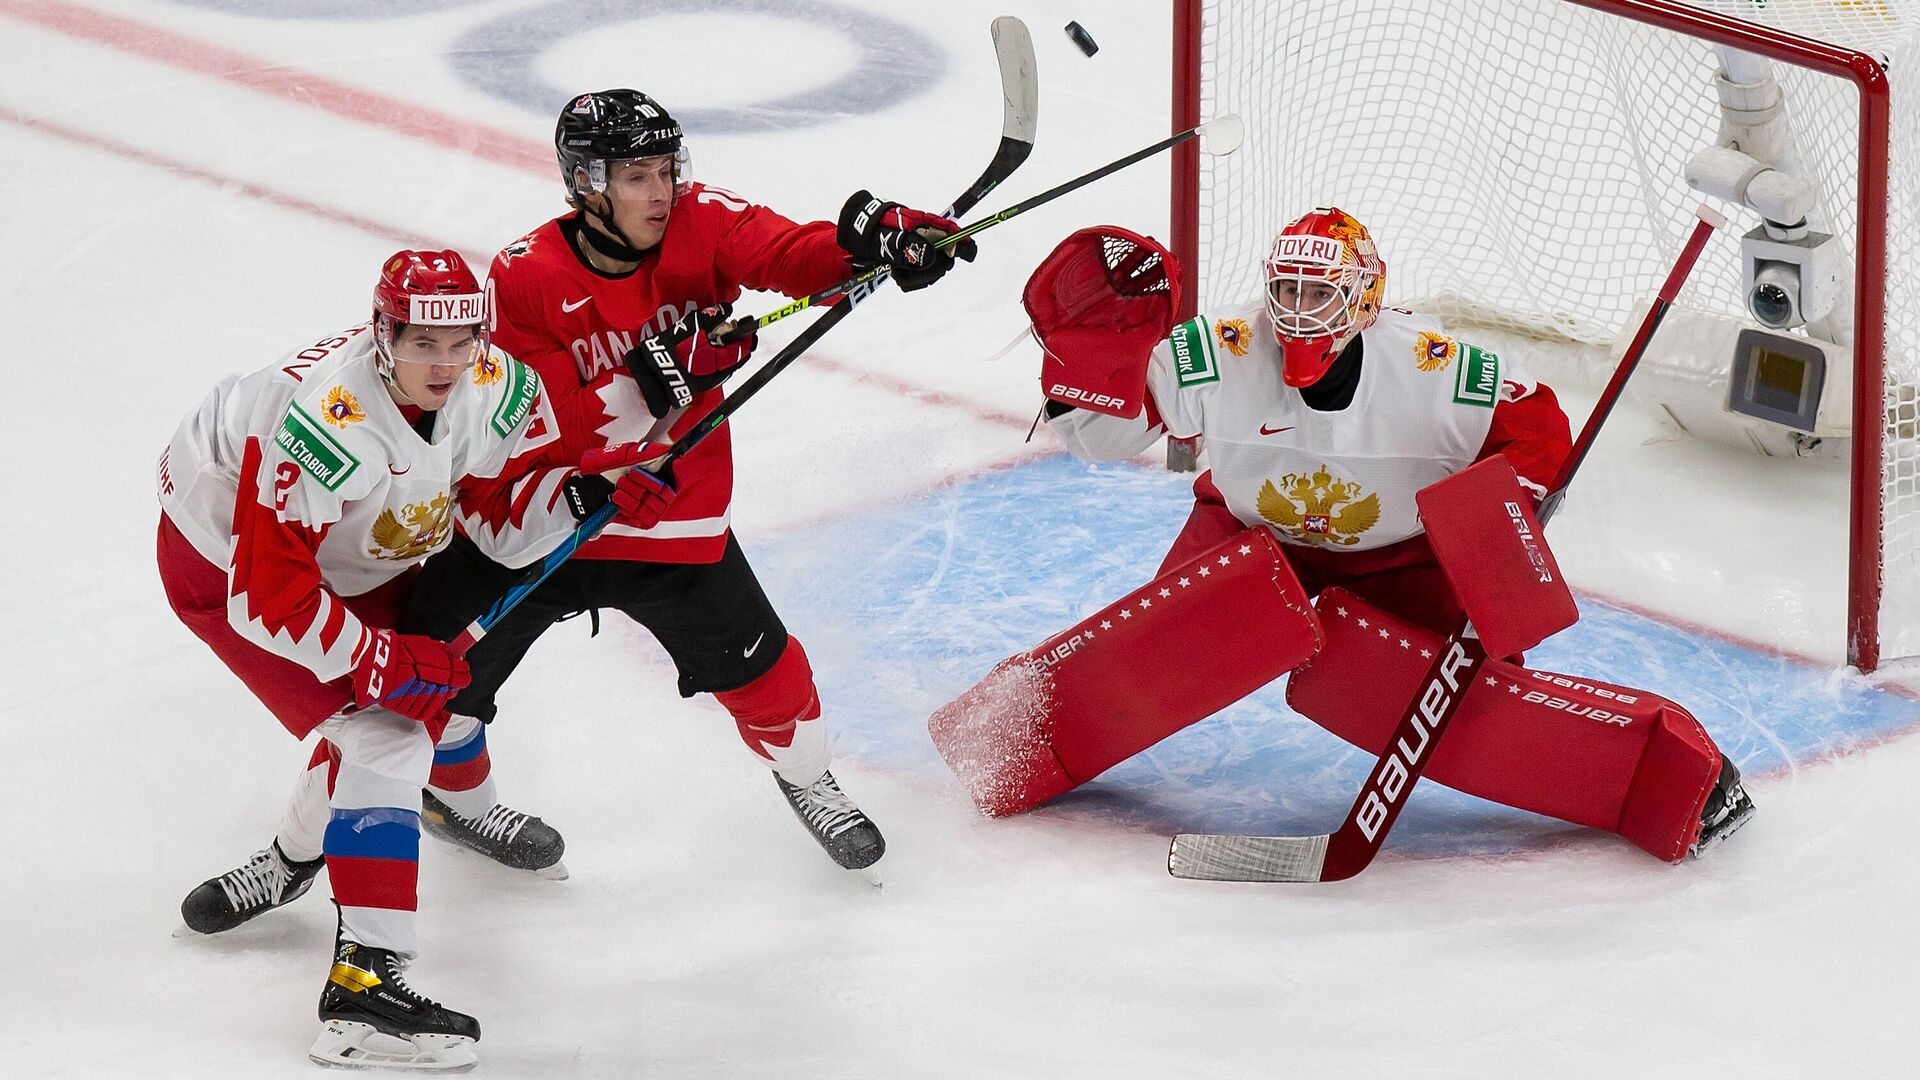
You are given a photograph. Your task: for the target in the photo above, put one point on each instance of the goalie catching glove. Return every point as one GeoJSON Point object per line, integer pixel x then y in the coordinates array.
{"type": "Point", "coordinates": [878, 233]}
{"type": "Point", "coordinates": [683, 361]}
{"type": "Point", "coordinates": [1100, 303]}
{"type": "Point", "coordinates": [615, 473]}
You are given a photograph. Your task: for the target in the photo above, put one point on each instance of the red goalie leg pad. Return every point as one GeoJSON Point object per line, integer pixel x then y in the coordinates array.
{"type": "Point", "coordinates": [1609, 757]}
{"type": "Point", "coordinates": [1191, 642]}
{"type": "Point", "coordinates": [769, 708]}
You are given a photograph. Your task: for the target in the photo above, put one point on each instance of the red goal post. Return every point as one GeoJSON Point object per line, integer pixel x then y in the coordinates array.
{"type": "Point", "coordinates": [1270, 63]}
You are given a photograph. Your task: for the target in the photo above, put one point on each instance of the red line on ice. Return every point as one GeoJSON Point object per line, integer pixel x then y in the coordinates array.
{"type": "Point", "coordinates": [209, 60]}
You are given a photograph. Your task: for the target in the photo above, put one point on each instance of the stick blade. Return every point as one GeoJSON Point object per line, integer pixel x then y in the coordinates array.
{"type": "Point", "coordinates": [1201, 857]}
{"type": "Point", "coordinates": [1019, 79]}
{"type": "Point", "coordinates": [1222, 135]}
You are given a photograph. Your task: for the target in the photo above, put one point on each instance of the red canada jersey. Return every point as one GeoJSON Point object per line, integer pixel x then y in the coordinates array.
{"type": "Point", "coordinates": [574, 325]}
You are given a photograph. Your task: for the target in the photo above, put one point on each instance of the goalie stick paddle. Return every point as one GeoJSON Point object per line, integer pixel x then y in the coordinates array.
{"type": "Point", "coordinates": [1220, 136]}
{"type": "Point", "coordinates": [1341, 854]}
{"type": "Point", "coordinates": [1020, 98]}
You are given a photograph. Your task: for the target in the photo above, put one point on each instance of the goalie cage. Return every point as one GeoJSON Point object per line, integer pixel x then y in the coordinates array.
{"type": "Point", "coordinates": [1521, 162]}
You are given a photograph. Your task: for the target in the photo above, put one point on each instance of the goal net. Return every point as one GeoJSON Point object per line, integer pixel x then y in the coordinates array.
{"type": "Point", "coordinates": [1522, 163]}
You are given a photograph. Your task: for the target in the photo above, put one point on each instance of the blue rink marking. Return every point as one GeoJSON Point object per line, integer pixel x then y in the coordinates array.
{"type": "Point", "coordinates": [904, 609]}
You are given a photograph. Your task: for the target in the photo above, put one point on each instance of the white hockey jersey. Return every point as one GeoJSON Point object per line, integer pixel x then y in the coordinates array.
{"type": "Point", "coordinates": [307, 483]}
{"type": "Point", "coordinates": [1424, 409]}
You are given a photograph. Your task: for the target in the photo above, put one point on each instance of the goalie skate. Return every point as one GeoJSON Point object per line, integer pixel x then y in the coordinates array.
{"type": "Point", "coordinates": [371, 1019]}
{"type": "Point", "coordinates": [514, 840]}
{"type": "Point", "coordinates": [1728, 808]}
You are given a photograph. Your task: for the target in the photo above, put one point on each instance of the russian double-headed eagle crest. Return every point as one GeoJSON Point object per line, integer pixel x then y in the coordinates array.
{"type": "Point", "coordinates": [1235, 334]}
{"type": "Point", "coordinates": [487, 371]}
{"type": "Point", "coordinates": [416, 530]}
{"type": "Point", "coordinates": [1433, 352]}
{"type": "Point", "coordinates": [342, 408]}
{"type": "Point", "coordinates": [1318, 509]}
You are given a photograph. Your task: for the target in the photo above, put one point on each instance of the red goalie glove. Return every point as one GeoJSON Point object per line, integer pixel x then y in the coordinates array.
{"type": "Point", "coordinates": [1099, 304]}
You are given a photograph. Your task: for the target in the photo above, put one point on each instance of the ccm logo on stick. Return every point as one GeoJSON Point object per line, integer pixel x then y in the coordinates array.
{"type": "Point", "coordinates": [1389, 782]}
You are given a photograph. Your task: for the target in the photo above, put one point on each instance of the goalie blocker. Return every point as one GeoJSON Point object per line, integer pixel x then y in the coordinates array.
{"type": "Point", "coordinates": [1228, 621]}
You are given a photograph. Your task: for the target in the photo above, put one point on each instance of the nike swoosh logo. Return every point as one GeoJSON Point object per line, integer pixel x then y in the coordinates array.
{"type": "Point", "coordinates": [571, 307]}
{"type": "Point", "coordinates": [755, 645]}
{"type": "Point", "coordinates": [1265, 430]}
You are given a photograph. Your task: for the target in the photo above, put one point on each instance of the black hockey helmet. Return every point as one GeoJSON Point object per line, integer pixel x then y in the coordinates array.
{"type": "Point", "coordinates": [614, 125]}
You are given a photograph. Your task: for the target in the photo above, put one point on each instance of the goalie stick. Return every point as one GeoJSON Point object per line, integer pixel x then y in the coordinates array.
{"type": "Point", "coordinates": [1341, 854]}
{"type": "Point", "coordinates": [1220, 136]}
{"type": "Point", "coordinates": [1020, 98]}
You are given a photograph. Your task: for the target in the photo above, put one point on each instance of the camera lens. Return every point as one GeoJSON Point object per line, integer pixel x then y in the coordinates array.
{"type": "Point", "coordinates": [1771, 304]}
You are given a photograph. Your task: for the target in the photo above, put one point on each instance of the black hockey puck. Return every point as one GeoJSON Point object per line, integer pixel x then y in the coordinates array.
{"type": "Point", "coordinates": [1081, 39]}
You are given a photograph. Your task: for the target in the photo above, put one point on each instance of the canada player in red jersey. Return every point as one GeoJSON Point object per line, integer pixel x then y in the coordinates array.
{"type": "Point", "coordinates": [612, 304]}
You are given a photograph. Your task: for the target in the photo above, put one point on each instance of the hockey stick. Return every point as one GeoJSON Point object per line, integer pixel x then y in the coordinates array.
{"type": "Point", "coordinates": [1020, 97]}
{"type": "Point", "coordinates": [1220, 136]}
{"type": "Point", "coordinates": [1339, 855]}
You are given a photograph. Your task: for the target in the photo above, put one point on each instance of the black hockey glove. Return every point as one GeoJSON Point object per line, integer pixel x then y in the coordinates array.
{"type": "Point", "coordinates": [681, 362]}
{"type": "Point", "coordinates": [874, 232]}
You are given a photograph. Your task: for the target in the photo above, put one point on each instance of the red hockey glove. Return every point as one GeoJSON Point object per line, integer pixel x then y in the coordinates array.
{"type": "Point", "coordinates": [876, 232]}
{"type": "Point", "coordinates": [683, 361]}
{"type": "Point", "coordinates": [641, 496]}
{"type": "Point", "coordinates": [411, 674]}
{"type": "Point", "coordinates": [1100, 302]}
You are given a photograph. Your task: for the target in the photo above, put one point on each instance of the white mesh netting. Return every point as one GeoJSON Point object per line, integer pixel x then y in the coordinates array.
{"type": "Point", "coordinates": [1520, 163]}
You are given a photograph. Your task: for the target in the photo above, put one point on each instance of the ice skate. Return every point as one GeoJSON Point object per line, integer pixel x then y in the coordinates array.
{"type": "Point", "coordinates": [371, 1019]}
{"type": "Point", "coordinates": [1728, 807]}
{"type": "Point", "coordinates": [505, 835]}
{"type": "Point", "coordinates": [848, 837]}
{"type": "Point", "coordinates": [264, 882]}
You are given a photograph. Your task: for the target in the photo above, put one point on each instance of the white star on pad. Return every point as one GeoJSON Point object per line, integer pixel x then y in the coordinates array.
{"type": "Point", "coordinates": [1125, 614]}
{"type": "Point", "coordinates": [1225, 559]}
{"type": "Point", "coordinates": [1183, 583]}
{"type": "Point", "coordinates": [1513, 688]}
{"type": "Point", "coordinates": [1491, 681]}
{"type": "Point", "coordinates": [1426, 654]}
{"type": "Point", "coordinates": [1106, 624]}
{"type": "Point", "coordinates": [1246, 549]}
{"type": "Point", "coordinates": [1145, 603]}
{"type": "Point", "coordinates": [1405, 644]}
{"type": "Point", "coordinates": [1340, 611]}
{"type": "Point", "coordinates": [1383, 634]}
{"type": "Point", "coordinates": [1204, 571]}
{"type": "Point", "coordinates": [1363, 623]}
{"type": "Point", "coordinates": [1164, 593]}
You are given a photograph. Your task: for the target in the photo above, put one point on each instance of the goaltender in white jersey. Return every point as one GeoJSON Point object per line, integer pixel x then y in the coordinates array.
{"type": "Point", "coordinates": [1339, 480]}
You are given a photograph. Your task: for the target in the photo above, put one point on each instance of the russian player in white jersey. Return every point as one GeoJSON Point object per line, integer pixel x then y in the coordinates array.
{"type": "Point", "coordinates": [1323, 413]}
{"type": "Point", "coordinates": [295, 502]}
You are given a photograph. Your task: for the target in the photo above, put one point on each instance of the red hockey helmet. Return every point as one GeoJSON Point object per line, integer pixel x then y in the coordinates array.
{"type": "Point", "coordinates": [1324, 282]}
{"type": "Point", "coordinates": [428, 288]}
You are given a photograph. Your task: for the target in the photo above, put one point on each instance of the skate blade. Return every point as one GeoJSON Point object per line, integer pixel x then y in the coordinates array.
{"type": "Point", "coordinates": [872, 876]}
{"type": "Point", "coordinates": [557, 872]}
{"type": "Point", "coordinates": [346, 1044]}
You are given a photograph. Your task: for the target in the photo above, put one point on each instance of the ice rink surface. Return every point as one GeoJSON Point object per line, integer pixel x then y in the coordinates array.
{"type": "Point", "coordinates": [193, 188]}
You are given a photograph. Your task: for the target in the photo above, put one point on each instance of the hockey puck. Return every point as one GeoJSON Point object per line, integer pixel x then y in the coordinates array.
{"type": "Point", "coordinates": [1081, 39]}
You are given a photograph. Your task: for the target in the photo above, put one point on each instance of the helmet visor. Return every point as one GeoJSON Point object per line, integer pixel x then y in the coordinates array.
{"type": "Point", "coordinates": [458, 345]}
{"type": "Point", "coordinates": [675, 169]}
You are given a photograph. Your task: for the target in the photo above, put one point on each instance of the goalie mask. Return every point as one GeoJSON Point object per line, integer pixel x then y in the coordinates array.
{"type": "Point", "coordinates": [1324, 282]}
{"type": "Point", "coordinates": [428, 288]}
